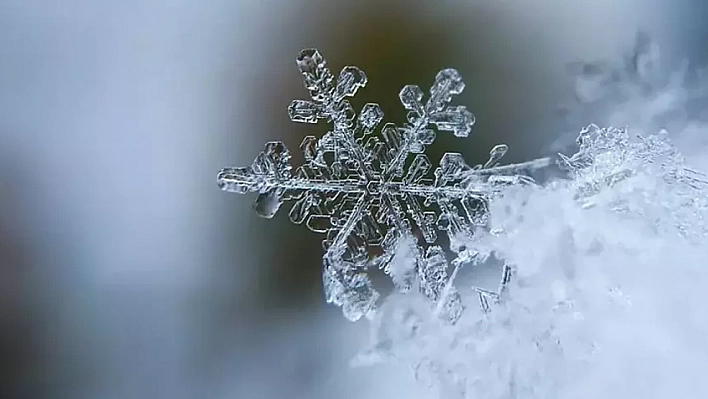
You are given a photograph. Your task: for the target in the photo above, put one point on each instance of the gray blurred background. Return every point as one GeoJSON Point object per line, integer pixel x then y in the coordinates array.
{"type": "Point", "coordinates": [126, 273]}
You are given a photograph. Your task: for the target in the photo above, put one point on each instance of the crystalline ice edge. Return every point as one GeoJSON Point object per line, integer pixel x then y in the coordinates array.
{"type": "Point", "coordinates": [377, 190]}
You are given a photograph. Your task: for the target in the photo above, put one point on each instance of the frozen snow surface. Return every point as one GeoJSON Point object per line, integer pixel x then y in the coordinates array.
{"type": "Point", "coordinates": [609, 263]}
{"type": "Point", "coordinates": [608, 266]}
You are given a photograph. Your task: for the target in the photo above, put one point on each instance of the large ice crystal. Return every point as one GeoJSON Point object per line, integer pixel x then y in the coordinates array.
{"type": "Point", "coordinates": [371, 193]}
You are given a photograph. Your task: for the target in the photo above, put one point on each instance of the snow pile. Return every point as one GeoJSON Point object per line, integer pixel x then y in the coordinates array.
{"type": "Point", "coordinates": [607, 298]}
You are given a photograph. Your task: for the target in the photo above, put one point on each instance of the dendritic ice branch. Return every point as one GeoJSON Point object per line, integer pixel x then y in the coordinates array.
{"type": "Point", "coordinates": [373, 195]}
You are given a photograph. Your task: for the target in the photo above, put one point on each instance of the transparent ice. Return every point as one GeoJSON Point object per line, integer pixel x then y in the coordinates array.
{"type": "Point", "coordinates": [372, 193]}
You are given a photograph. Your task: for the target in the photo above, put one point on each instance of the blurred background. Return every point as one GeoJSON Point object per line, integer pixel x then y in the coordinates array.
{"type": "Point", "coordinates": [126, 273]}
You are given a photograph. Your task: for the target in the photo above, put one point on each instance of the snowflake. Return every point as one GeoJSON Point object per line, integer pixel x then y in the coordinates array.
{"type": "Point", "coordinates": [371, 194]}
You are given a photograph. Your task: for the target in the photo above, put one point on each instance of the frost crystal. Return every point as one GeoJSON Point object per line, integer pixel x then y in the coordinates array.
{"type": "Point", "coordinates": [608, 157]}
{"type": "Point", "coordinates": [370, 194]}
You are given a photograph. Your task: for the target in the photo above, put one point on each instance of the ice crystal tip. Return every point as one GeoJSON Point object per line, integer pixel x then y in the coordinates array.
{"type": "Point", "coordinates": [364, 190]}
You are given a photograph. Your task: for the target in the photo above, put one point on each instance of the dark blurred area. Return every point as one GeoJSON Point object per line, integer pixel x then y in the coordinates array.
{"type": "Point", "coordinates": [126, 273]}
